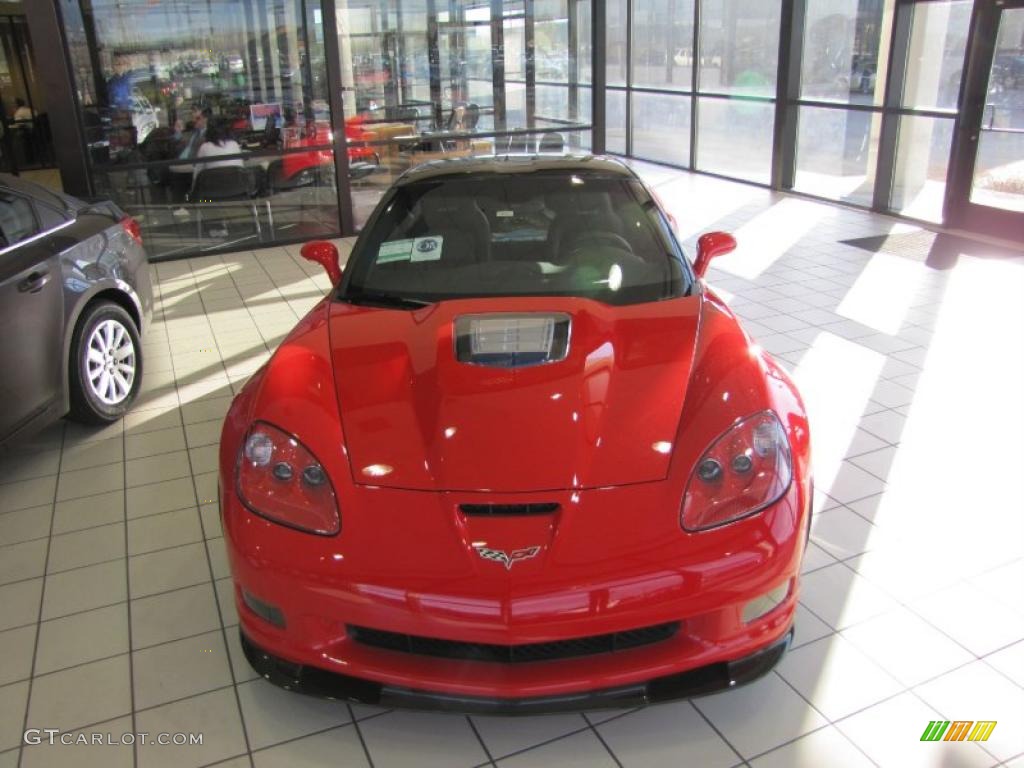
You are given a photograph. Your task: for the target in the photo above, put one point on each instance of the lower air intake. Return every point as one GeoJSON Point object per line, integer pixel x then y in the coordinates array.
{"type": "Point", "coordinates": [514, 654]}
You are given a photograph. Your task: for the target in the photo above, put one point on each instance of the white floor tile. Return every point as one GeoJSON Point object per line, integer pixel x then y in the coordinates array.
{"type": "Point", "coordinates": [972, 618]}
{"type": "Point", "coordinates": [760, 716]}
{"type": "Point", "coordinates": [89, 693]}
{"type": "Point", "coordinates": [908, 648]}
{"type": "Point", "coordinates": [338, 746]}
{"type": "Point", "coordinates": [215, 715]}
{"type": "Point", "coordinates": [666, 735]}
{"type": "Point", "coordinates": [422, 740]}
{"type": "Point", "coordinates": [841, 597]}
{"type": "Point", "coordinates": [824, 746]}
{"type": "Point", "coordinates": [836, 677]}
{"type": "Point", "coordinates": [583, 750]}
{"type": "Point", "coordinates": [273, 715]}
{"type": "Point", "coordinates": [505, 735]}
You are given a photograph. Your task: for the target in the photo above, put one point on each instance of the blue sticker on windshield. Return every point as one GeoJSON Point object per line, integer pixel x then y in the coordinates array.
{"type": "Point", "coordinates": [427, 248]}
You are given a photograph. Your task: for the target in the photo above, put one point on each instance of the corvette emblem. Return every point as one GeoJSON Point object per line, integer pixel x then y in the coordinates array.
{"type": "Point", "coordinates": [508, 559]}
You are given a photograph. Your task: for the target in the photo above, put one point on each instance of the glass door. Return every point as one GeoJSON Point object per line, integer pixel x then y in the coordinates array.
{"type": "Point", "coordinates": [988, 192]}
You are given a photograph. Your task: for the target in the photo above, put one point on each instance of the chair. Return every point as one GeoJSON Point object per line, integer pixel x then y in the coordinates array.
{"type": "Point", "coordinates": [271, 135]}
{"type": "Point", "coordinates": [552, 143]}
{"type": "Point", "coordinates": [224, 184]}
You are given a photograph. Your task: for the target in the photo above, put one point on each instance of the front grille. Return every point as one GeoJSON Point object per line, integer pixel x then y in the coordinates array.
{"type": "Point", "coordinates": [514, 654]}
{"type": "Point", "coordinates": [509, 510]}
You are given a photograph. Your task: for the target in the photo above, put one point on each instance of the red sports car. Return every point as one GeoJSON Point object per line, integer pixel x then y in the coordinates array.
{"type": "Point", "coordinates": [520, 459]}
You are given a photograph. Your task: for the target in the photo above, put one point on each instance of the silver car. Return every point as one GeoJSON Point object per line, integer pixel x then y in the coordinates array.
{"type": "Point", "coordinates": [75, 294]}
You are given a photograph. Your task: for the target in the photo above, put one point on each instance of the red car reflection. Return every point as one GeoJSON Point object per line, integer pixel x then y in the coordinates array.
{"type": "Point", "coordinates": [313, 164]}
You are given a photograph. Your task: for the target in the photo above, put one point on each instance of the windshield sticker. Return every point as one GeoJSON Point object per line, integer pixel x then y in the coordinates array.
{"type": "Point", "coordinates": [427, 248]}
{"type": "Point", "coordinates": [396, 250]}
{"type": "Point", "coordinates": [505, 214]}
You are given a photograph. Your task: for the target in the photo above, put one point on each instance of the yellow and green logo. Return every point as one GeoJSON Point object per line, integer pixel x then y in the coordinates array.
{"type": "Point", "coordinates": [958, 730]}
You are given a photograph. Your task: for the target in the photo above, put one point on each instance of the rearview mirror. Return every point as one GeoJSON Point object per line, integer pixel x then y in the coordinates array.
{"type": "Point", "coordinates": [711, 245]}
{"type": "Point", "coordinates": [326, 255]}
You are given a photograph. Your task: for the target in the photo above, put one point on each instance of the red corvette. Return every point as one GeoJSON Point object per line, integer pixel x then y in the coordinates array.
{"type": "Point", "coordinates": [520, 459]}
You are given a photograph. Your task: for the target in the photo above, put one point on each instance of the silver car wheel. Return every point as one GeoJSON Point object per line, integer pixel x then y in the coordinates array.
{"type": "Point", "coordinates": [110, 362]}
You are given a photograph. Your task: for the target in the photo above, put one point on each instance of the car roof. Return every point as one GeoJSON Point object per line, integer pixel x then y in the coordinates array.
{"type": "Point", "coordinates": [513, 164]}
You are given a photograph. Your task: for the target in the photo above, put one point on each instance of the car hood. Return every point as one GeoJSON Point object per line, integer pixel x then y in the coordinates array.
{"type": "Point", "coordinates": [415, 417]}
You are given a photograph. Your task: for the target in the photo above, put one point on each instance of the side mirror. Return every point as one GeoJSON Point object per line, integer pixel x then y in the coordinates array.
{"type": "Point", "coordinates": [711, 245]}
{"type": "Point", "coordinates": [326, 255]}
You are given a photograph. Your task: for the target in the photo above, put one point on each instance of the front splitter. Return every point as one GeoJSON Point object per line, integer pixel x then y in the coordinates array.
{"type": "Point", "coordinates": [701, 681]}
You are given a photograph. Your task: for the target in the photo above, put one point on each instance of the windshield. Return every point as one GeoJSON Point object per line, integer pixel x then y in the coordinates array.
{"type": "Point", "coordinates": [530, 234]}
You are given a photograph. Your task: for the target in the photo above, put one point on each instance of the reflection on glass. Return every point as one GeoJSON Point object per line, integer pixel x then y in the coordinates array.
{"type": "Point", "coordinates": [26, 121]}
{"type": "Point", "coordinates": [935, 59]}
{"type": "Point", "coordinates": [209, 123]}
{"type": "Point", "coordinates": [837, 153]}
{"type": "Point", "coordinates": [734, 138]}
{"type": "Point", "coordinates": [661, 128]}
{"type": "Point", "coordinates": [663, 44]}
{"type": "Point", "coordinates": [420, 81]}
{"type": "Point", "coordinates": [739, 46]}
{"type": "Point", "coordinates": [846, 50]}
{"type": "Point", "coordinates": [436, 94]}
{"type": "Point", "coordinates": [922, 160]}
{"type": "Point", "coordinates": [999, 165]}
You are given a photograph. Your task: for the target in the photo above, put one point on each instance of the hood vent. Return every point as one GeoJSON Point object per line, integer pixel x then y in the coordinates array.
{"type": "Point", "coordinates": [508, 510]}
{"type": "Point", "coordinates": [506, 340]}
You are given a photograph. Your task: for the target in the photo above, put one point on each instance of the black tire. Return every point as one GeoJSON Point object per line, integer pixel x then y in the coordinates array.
{"type": "Point", "coordinates": [87, 406]}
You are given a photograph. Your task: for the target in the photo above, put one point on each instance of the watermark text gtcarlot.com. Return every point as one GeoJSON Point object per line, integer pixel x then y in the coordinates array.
{"type": "Point", "coordinates": [56, 736]}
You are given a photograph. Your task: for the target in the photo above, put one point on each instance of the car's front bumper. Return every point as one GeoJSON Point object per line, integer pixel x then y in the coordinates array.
{"type": "Point", "coordinates": [700, 681]}
{"type": "Point", "coordinates": [605, 572]}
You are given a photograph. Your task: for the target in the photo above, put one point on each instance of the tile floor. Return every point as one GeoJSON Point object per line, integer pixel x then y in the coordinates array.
{"type": "Point", "coordinates": [117, 614]}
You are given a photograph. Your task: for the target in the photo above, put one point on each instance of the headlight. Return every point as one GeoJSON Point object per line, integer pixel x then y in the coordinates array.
{"type": "Point", "coordinates": [744, 470]}
{"type": "Point", "coordinates": [279, 479]}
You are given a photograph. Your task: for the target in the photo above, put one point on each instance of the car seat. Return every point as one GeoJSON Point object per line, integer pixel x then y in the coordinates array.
{"type": "Point", "coordinates": [464, 227]}
{"type": "Point", "coordinates": [578, 214]}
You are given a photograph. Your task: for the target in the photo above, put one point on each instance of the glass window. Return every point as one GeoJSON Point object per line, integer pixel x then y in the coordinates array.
{"type": "Point", "coordinates": [734, 138]}
{"type": "Point", "coordinates": [418, 81]}
{"type": "Point", "coordinates": [48, 217]}
{"type": "Point", "coordinates": [661, 128]}
{"type": "Point", "coordinates": [551, 41]}
{"type": "Point", "coordinates": [431, 93]}
{"type": "Point", "coordinates": [922, 161]}
{"type": "Point", "coordinates": [846, 51]}
{"type": "Point", "coordinates": [209, 122]}
{"type": "Point", "coordinates": [935, 59]}
{"type": "Point", "coordinates": [17, 221]}
{"type": "Point", "coordinates": [739, 46]}
{"type": "Point", "coordinates": [615, 119]}
{"type": "Point", "coordinates": [615, 40]}
{"type": "Point", "coordinates": [998, 180]}
{"type": "Point", "coordinates": [837, 152]}
{"type": "Point", "coordinates": [663, 44]}
{"type": "Point", "coordinates": [536, 234]}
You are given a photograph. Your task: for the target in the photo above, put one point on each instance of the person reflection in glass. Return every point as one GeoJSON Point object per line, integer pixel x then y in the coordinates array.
{"type": "Point", "coordinates": [119, 86]}
{"type": "Point", "coordinates": [200, 121]}
{"type": "Point", "coordinates": [218, 142]}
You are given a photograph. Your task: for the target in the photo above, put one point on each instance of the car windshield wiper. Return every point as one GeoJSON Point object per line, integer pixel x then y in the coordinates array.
{"type": "Point", "coordinates": [378, 299]}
